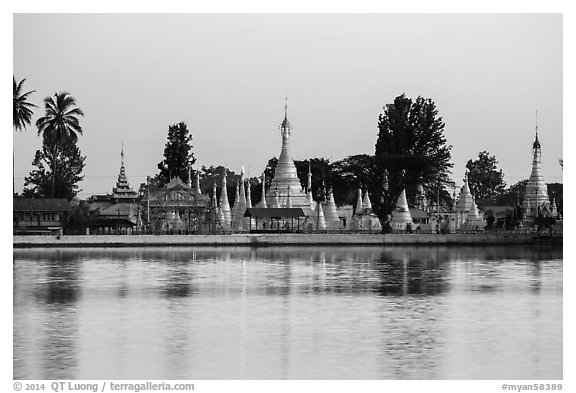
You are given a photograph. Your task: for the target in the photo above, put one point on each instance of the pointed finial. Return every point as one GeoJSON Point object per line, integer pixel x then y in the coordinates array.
{"type": "Point", "coordinates": [536, 144]}
{"type": "Point", "coordinates": [285, 127]}
{"type": "Point", "coordinates": [122, 154]}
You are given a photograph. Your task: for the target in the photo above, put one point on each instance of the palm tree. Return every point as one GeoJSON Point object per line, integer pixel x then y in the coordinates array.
{"type": "Point", "coordinates": [22, 108]}
{"type": "Point", "coordinates": [61, 123]}
{"type": "Point", "coordinates": [22, 113]}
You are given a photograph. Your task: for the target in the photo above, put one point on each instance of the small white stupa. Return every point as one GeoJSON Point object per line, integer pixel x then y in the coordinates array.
{"type": "Point", "coordinates": [262, 203]}
{"type": "Point", "coordinates": [366, 203]}
{"type": "Point", "coordinates": [401, 216]}
{"type": "Point", "coordinates": [358, 209]}
{"type": "Point", "coordinates": [198, 189]}
{"type": "Point", "coordinates": [319, 218]}
{"type": "Point", "coordinates": [330, 213]}
{"type": "Point", "coordinates": [474, 220]}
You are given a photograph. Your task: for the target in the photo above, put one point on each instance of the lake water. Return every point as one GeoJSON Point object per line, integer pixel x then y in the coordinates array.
{"type": "Point", "coordinates": [288, 313]}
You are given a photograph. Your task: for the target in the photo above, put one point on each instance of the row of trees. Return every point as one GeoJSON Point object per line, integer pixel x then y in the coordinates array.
{"type": "Point", "coordinates": [59, 162]}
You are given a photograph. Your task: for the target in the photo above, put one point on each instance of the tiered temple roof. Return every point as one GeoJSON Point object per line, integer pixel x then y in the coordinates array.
{"type": "Point", "coordinates": [122, 192]}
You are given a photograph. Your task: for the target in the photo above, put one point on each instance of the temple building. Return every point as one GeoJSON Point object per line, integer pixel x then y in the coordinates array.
{"type": "Point", "coordinates": [116, 213]}
{"type": "Point", "coordinates": [178, 208]}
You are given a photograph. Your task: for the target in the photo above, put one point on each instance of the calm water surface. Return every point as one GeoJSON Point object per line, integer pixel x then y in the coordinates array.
{"type": "Point", "coordinates": [288, 313]}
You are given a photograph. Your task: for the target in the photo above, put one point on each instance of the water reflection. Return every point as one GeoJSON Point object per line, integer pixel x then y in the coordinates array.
{"type": "Point", "coordinates": [299, 313]}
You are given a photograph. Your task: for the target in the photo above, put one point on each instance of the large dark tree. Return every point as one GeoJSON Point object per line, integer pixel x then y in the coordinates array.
{"type": "Point", "coordinates": [485, 180]}
{"type": "Point", "coordinates": [321, 175]}
{"type": "Point", "coordinates": [411, 147]}
{"type": "Point", "coordinates": [351, 173]}
{"type": "Point", "coordinates": [60, 127]}
{"type": "Point", "coordinates": [178, 157]}
{"type": "Point", "coordinates": [63, 155]}
{"type": "Point", "coordinates": [556, 192]}
{"type": "Point", "coordinates": [211, 174]}
{"type": "Point", "coordinates": [512, 195]}
{"type": "Point", "coordinates": [270, 170]}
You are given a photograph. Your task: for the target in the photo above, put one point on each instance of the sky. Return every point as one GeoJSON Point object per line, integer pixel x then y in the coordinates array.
{"type": "Point", "coordinates": [228, 75]}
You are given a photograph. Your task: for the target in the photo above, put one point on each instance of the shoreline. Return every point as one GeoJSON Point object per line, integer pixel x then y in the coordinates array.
{"type": "Point", "coordinates": [294, 239]}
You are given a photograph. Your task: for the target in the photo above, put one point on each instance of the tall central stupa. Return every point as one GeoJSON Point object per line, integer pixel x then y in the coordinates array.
{"type": "Point", "coordinates": [285, 176]}
{"type": "Point", "coordinates": [536, 189]}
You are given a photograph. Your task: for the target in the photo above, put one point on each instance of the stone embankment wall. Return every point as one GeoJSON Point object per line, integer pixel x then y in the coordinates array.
{"type": "Point", "coordinates": [268, 240]}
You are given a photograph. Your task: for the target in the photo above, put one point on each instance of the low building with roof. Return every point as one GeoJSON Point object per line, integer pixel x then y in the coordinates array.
{"type": "Point", "coordinates": [275, 220]}
{"type": "Point", "coordinates": [39, 216]}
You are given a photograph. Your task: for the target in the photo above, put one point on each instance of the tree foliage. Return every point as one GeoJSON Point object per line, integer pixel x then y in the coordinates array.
{"type": "Point", "coordinates": [513, 194]}
{"type": "Point", "coordinates": [411, 147]}
{"type": "Point", "coordinates": [61, 118]}
{"type": "Point", "coordinates": [63, 155]}
{"type": "Point", "coordinates": [178, 157]}
{"type": "Point", "coordinates": [556, 192]}
{"type": "Point", "coordinates": [351, 173]}
{"type": "Point", "coordinates": [486, 182]}
{"type": "Point", "coordinates": [60, 127]}
{"type": "Point", "coordinates": [320, 169]}
{"type": "Point", "coordinates": [22, 115]}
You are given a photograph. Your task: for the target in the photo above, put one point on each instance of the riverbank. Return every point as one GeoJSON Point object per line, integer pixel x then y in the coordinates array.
{"type": "Point", "coordinates": [273, 239]}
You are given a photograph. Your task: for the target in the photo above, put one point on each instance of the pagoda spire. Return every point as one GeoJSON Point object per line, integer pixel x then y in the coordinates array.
{"type": "Point", "coordinates": [242, 205]}
{"type": "Point", "coordinates": [190, 176]}
{"type": "Point", "coordinates": [122, 189]}
{"type": "Point", "coordinates": [248, 196]}
{"type": "Point", "coordinates": [330, 212]}
{"type": "Point", "coordinates": [536, 189]}
{"type": "Point", "coordinates": [198, 189]}
{"type": "Point", "coordinates": [224, 204]}
{"type": "Point", "coordinates": [401, 216]}
{"type": "Point", "coordinates": [359, 202]}
{"type": "Point", "coordinates": [366, 203]}
{"type": "Point", "coordinates": [320, 219]}
{"type": "Point", "coordinates": [285, 127]}
{"type": "Point", "coordinates": [309, 197]}
{"type": "Point", "coordinates": [285, 174]}
{"type": "Point", "coordinates": [309, 184]}
{"type": "Point", "coordinates": [214, 203]}
{"type": "Point", "coordinates": [263, 201]}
